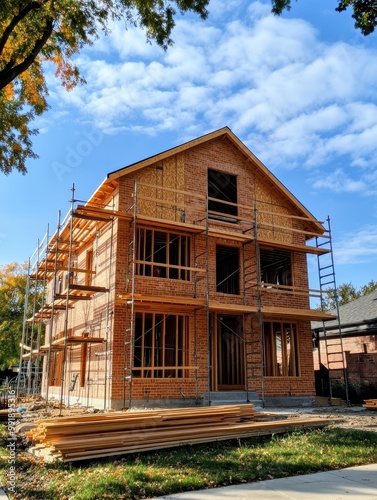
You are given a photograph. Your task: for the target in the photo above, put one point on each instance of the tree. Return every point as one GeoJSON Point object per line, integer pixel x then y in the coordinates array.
{"type": "Point", "coordinates": [36, 32]}
{"type": "Point", "coordinates": [13, 292]}
{"type": "Point", "coordinates": [364, 12]}
{"type": "Point", "coordinates": [12, 298]}
{"type": "Point", "coordinates": [346, 292]}
{"type": "Point", "coordinates": [368, 288]}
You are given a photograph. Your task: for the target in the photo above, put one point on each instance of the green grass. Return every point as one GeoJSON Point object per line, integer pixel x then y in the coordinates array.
{"type": "Point", "coordinates": [192, 467]}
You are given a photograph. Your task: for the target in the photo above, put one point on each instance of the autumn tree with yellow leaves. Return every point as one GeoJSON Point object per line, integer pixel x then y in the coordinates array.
{"type": "Point", "coordinates": [13, 279]}
{"type": "Point", "coordinates": [33, 32]}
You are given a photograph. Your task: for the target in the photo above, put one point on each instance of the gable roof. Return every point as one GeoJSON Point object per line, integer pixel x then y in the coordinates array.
{"type": "Point", "coordinates": [223, 132]}
{"type": "Point", "coordinates": [358, 317]}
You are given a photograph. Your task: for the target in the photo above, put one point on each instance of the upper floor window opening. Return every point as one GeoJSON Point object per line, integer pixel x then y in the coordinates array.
{"type": "Point", "coordinates": [227, 270]}
{"type": "Point", "coordinates": [163, 254]}
{"type": "Point", "coordinates": [222, 196]}
{"type": "Point", "coordinates": [276, 267]}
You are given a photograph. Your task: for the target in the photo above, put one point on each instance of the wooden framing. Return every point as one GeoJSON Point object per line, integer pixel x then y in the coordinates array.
{"type": "Point", "coordinates": [161, 349]}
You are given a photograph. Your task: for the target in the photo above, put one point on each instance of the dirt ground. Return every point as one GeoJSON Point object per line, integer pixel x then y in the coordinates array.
{"type": "Point", "coordinates": [353, 417]}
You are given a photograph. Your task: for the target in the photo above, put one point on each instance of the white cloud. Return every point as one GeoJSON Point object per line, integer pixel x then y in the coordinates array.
{"type": "Point", "coordinates": [298, 101]}
{"type": "Point", "coordinates": [340, 182]}
{"type": "Point", "coordinates": [357, 248]}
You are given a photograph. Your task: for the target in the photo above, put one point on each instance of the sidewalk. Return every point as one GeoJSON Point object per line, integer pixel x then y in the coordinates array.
{"type": "Point", "coordinates": [354, 483]}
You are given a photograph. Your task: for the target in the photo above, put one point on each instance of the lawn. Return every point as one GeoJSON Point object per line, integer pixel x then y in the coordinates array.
{"type": "Point", "coordinates": [186, 468]}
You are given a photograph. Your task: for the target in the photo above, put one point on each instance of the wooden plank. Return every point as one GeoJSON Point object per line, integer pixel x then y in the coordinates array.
{"type": "Point", "coordinates": [305, 314]}
{"type": "Point", "coordinates": [191, 194]}
{"type": "Point", "coordinates": [170, 266]}
{"type": "Point", "coordinates": [115, 443]}
{"type": "Point", "coordinates": [77, 340]}
{"type": "Point", "coordinates": [160, 299]}
{"type": "Point", "coordinates": [370, 404]}
{"type": "Point", "coordinates": [88, 288]}
{"type": "Point", "coordinates": [162, 202]}
{"type": "Point", "coordinates": [169, 224]}
{"type": "Point", "coordinates": [218, 233]}
{"type": "Point", "coordinates": [291, 246]}
{"type": "Point", "coordinates": [60, 296]}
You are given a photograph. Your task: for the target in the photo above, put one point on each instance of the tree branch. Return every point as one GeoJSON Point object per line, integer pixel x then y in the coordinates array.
{"type": "Point", "coordinates": [8, 75]}
{"type": "Point", "coordinates": [16, 20]}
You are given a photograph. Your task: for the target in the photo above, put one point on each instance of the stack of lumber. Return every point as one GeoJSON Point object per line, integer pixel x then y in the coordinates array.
{"type": "Point", "coordinates": [370, 404]}
{"type": "Point", "coordinates": [100, 435]}
{"type": "Point", "coordinates": [4, 415]}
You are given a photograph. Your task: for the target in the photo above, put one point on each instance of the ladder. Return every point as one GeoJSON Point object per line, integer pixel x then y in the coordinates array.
{"type": "Point", "coordinates": [335, 356]}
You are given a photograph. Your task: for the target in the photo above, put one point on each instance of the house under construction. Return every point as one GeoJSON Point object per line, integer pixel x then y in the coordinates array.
{"type": "Point", "coordinates": [182, 281]}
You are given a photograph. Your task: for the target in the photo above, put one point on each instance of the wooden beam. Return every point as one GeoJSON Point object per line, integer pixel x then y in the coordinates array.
{"type": "Point", "coordinates": [291, 246]}
{"type": "Point", "coordinates": [299, 314]}
{"type": "Point", "coordinates": [160, 299]}
{"type": "Point", "coordinates": [78, 340]}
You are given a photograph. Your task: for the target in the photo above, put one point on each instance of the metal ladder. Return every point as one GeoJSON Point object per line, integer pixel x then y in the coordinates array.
{"type": "Point", "coordinates": [335, 356]}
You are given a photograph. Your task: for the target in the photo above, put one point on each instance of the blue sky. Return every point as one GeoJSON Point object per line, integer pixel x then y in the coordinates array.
{"type": "Point", "coordinates": [300, 91]}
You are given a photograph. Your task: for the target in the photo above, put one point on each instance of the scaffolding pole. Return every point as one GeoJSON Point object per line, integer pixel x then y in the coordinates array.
{"type": "Point", "coordinates": [24, 329]}
{"type": "Point", "coordinates": [133, 271]}
{"type": "Point", "coordinates": [259, 302]}
{"type": "Point", "coordinates": [66, 312]}
{"type": "Point", "coordinates": [53, 292]}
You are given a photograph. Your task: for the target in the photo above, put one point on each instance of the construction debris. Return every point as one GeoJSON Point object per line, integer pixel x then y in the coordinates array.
{"type": "Point", "coordinates": [370, 404]}
{"type": "Point", "coordinates": [94, 436]}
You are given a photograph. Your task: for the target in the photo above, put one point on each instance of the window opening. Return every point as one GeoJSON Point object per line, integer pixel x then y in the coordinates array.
{"type": "Point", "coordinates": [280, 350]}
{"type": "Point", "coordinates": [161, 345]}
{"type": "Point", "coordinates": [222, 187]}
{"type": "Point", "coordinates": [276, 267]}
{"type": "Point", "coordinates": [227, 270]}
{"type": "Point", "coordinates": [162, 254]}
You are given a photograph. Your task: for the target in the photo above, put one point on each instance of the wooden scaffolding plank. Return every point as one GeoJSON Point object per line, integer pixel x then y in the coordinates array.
{"type": "Point", "coordinates": [164, 299]}
{"type": "Point", "coordinates": [78, 340]}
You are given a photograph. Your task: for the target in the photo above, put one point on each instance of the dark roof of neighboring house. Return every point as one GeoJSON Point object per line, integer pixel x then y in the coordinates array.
{"type": "Point", "coordinates": [358, 317]}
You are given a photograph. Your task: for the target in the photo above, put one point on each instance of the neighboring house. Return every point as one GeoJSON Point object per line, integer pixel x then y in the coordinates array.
{"type": "Point", "coordinates": [356, 336]}
{"type": "Point", "coordinates": [182, 281]}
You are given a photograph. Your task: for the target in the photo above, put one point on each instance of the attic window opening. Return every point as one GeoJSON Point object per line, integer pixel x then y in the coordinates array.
{"type": "Point", "coordinates": [222, 194]}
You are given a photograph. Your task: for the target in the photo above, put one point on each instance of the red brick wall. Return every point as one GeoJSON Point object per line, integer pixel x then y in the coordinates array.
{"type": "Point", "coordinates": [360, 358]}
{"type": "Point", "coordinates": [219, 155]}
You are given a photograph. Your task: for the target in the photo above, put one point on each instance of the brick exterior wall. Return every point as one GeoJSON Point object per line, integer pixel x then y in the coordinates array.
{"type": "Point", "coordinates": [107, 367]}
{"type": "Point", "coordinates": [360, 359]}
